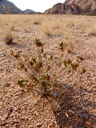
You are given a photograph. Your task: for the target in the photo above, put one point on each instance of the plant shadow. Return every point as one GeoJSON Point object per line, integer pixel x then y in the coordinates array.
{"type": "Point", "coordinates": [16, 45]}
{"type": "Point", "coordinates": [69, 113]}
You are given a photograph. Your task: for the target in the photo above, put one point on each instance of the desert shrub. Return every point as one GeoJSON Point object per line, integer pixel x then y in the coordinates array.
{"type": "Point", "coordinates": [42, 73]}
{"type": "Point", "coordinates": [8, 38]}
{"type": "Point", "coordinates": [90, 14]}
{"type": "Point", "coordinates": [40, 69]}
{"type": "Point", "coordinates": [36, 21]}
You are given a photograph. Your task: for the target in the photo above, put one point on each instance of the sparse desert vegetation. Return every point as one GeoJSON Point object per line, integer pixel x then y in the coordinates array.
{"type": "Point", "coordinates": [48, 75]}
{"type": "Point", "coordinates": [8, 37]}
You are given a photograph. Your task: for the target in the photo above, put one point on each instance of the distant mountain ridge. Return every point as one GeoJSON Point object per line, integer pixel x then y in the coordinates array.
{"type": "Point", "coordinates": [8, 7]}
{"type": "Point", "coordinates": [29, 11]}
{"type": "Point", "coordinates": [74, 7]}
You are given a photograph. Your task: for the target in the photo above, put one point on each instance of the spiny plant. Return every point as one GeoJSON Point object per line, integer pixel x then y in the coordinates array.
{"type": "Point", "coordinates": [16, 55]}
{"type": "Point", "coordinates": [38, 69]}
{"type": "Point", "coordinates": [79, 58]}
{"type": "Point", "coordinates": [67, 62]}
{"type": "Point", "coordinates": [41, 74]}
{"type": "Point", "coordinates": [82, 70]}
{"type": "Point", "coordinates": [74, 65]}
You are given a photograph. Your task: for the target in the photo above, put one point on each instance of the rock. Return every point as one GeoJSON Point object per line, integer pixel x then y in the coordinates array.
{"type": "Point", "coordinates": [76, 7]}
{"type": "Point", "coordinates": [39, 125]}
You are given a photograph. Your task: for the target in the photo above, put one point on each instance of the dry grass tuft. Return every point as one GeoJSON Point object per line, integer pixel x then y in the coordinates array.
{"type": "Point", "coordinates": [36, 21]}
{"type": "Point", "coordinates": [69, 22]}
{"type": "Point", "coordinates": [68, 47]}
{"type": "Point", "coordinates": [56, 25]}
{"type": "Point", "coordinates": [11, 27]}
{"type": "Point", "coordinates": [8, 38]}
{"type": "Point", "coordinates": [46, 29]}
{"type": "Point", "coordinates": [91, 31]}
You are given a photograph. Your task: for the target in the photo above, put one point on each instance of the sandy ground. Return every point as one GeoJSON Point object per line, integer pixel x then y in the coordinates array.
{"type": "Point", "coordinates": [19, 109]}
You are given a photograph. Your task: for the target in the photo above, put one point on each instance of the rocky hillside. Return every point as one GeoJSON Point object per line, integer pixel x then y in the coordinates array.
{"type": "Point", "coordinates": [8, 7]}
{"type": "Point", "coordinates": [74, 7]}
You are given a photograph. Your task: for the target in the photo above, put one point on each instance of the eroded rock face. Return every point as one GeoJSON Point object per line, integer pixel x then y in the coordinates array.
{"type": "Point", "coordinates": [8, 7]}
{"type": "Point", "coordinates": [74, 7]}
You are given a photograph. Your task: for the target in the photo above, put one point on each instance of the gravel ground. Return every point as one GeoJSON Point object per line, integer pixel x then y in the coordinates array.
{"type": "Point", "coordinates": [19, 109]}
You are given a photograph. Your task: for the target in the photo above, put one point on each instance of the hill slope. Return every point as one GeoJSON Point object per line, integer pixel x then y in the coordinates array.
{"type": "Point", "coordinates": [74, 7]}
{"type": "Point", "coordinates": [8, 7]}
